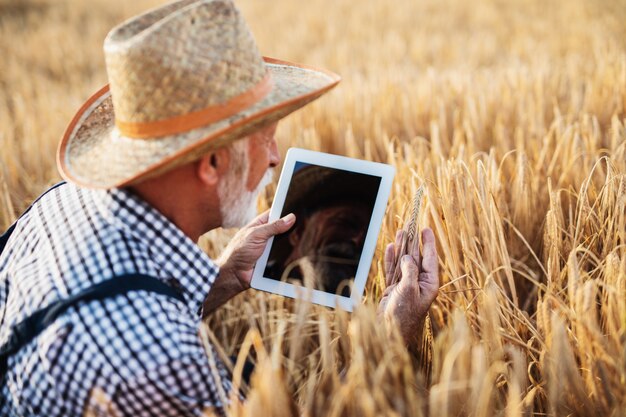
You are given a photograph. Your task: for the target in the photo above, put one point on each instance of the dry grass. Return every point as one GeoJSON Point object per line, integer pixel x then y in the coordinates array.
{"type": "Point", "coordinates": [513, 115]}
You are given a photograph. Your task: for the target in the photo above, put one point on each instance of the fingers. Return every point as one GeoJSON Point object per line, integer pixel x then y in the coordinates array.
{"type": "Point", "coordinates": [414, 250]}
{"type": "Point", "coordinates": [429, 286]}
{"type": "Point", "coordinates": [430, 263]}
{"type": "Point", "coordinates": [260, 219]}
{"type": "Point", "coordinates": [265, 231]}
{"type": "Point", "coordinates": [390, 263]}
{"type": "Point", "coordinates": [429, 276]}
{"type": "Point", "coordinates": [410, 271]}
{"type": "Point", "coordinates": [398, 244]}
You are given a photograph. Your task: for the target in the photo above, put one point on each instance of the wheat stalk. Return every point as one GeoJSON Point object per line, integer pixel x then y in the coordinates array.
{"type": "Point", "coordinates": [410, 236]}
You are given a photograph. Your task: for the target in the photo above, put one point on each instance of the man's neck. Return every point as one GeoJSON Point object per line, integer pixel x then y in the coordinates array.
{"type": "Point", "coordinates": [181, 200]}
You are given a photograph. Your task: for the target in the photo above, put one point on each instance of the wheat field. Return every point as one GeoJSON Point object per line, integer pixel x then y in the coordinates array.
{"type": "Point", "coordinates": [513, 115]}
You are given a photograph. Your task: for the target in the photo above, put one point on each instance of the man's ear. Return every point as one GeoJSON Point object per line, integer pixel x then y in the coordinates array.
{"type": "Point", "coordinates": [212, 166]}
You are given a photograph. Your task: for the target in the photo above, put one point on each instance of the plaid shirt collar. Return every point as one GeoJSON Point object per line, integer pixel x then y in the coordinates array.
{"type": "Point", "coordinates": [179, 259]}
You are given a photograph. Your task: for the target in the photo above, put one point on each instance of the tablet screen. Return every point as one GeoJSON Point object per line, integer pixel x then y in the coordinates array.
{"type": "Point", "coordinates": [333, 209]}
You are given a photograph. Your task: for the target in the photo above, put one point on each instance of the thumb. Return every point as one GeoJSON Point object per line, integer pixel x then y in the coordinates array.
{"type": "Point", "coordinates": [410, 271]}
{"type": "Point", "coordinates": [276, 227]}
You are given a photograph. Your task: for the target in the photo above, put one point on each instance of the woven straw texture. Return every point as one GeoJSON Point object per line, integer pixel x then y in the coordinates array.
{"type": "Point", "coordinates": [156, 64]}
{"type": "Point", "coordinates": [180, 58]}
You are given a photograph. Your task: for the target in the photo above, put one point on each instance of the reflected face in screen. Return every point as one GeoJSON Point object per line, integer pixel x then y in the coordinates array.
{"type": "Point", "coordinates": [333, 209]}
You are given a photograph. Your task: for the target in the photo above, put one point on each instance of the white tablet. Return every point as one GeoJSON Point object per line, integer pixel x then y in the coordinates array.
{"type": "Point", "coordinates": [339, 205]}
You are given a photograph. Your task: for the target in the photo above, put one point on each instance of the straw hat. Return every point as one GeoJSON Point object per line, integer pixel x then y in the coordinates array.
{"type": "Point", "coordinates": [184, 79]}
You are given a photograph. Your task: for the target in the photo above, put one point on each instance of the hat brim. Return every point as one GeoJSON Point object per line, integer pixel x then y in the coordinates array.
{"type": "Point", "coordinates": [93, 153]}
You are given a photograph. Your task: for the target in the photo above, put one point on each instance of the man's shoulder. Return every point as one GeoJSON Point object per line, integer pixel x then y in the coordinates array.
{"type": "Point", "coordinates": [63, 209]}
{"type": "Point", "coordinates": [66, 235]}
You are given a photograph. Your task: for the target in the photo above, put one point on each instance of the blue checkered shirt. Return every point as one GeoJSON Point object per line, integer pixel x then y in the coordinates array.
{"type": "Point", "coordinates": [136, 354]}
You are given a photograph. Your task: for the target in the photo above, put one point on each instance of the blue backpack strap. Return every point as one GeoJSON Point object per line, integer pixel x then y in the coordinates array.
{"type": "Point", "coordinates": [26, 330]}
{"type": "Point", "coordinates": [5, 237]}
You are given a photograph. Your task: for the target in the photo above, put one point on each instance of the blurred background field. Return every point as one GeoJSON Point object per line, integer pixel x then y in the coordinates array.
{"type": "Point", "coordinates": [512, 113]}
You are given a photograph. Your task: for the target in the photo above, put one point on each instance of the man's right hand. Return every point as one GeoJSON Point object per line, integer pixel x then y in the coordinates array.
{"type": "Point", "coordinates": [247, 246]}
{"type": "Point", "coordinates": [237, 261]}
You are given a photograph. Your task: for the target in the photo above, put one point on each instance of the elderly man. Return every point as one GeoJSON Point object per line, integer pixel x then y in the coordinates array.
{"type": "Point", "coordinates": [102, 287]}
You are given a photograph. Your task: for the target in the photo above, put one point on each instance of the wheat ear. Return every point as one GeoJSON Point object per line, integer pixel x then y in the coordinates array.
{"type": "Point", "coordinates": [410, 238]}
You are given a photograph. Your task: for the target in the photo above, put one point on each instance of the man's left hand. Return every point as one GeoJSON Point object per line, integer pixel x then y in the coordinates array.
{"type": "Point", "coordinates": [405, 303]}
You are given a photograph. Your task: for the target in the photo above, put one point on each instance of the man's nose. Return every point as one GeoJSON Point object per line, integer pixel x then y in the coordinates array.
{"type": "Point", "coordinates": [274, 155]}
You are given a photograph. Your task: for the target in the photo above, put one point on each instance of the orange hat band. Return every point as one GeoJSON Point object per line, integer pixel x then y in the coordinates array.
{"type": "Point", "coordinates": [193, 120]}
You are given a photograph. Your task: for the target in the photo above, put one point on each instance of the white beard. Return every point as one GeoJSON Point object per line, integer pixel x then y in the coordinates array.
{"type": "Point", "coordinates": [238, 205]}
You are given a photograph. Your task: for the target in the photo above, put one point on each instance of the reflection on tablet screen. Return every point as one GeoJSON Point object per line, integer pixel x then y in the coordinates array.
{"type": "Point", "coordinates": [333, 208]}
